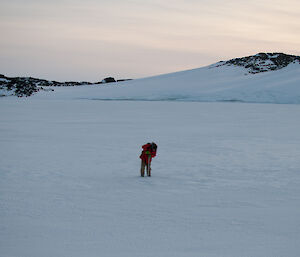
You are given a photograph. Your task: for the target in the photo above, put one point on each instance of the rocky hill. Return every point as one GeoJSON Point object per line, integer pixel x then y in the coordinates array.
{"type": "Point", "coordinates": [262, 62]}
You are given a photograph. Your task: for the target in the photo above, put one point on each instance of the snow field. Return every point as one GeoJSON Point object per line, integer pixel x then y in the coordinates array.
{"type": "Point", "coordinates": [225, 181]}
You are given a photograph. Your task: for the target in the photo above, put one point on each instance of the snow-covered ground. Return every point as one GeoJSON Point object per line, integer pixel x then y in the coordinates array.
{"type": "Point", "coordinates": [225, 182]}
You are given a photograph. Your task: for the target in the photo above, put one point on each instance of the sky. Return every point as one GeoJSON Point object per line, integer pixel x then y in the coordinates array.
{"type": "Point", "coordinates": [93, 39]}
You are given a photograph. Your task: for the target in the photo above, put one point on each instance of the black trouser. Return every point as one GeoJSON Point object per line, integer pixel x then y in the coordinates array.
{"type": "Point", "coordinates": [143, 165]}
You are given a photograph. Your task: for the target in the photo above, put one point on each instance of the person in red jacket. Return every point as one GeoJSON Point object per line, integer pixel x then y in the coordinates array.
{"type": "Point", "coordinates": [149, 152]}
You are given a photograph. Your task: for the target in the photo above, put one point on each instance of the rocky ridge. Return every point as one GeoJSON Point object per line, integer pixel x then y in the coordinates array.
{"type": "Point", "coordinates": [262, 62]}
{"type": "Point", "coordinates": [26, 86]}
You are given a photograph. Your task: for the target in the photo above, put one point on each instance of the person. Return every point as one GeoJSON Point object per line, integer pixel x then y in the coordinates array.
{"type": "Point", "coordinates": [149, 152]}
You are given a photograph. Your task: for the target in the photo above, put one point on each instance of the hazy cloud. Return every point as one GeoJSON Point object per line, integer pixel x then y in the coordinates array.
{"type": "Point", "coordinates": [72, 39]}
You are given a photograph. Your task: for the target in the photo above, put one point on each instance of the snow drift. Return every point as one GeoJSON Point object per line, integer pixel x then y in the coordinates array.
{"type": "Point", "coordinates": [262, 78]}
{"type": "Point", "coordinates": [211, 84]}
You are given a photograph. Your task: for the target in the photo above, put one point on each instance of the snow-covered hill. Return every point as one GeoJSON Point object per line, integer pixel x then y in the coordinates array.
{"type": "Point", "coordinates": [262, 78]}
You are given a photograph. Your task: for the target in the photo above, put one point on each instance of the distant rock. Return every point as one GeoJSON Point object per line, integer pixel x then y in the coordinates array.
{"type": "Point", "coordinates": [263, 62]}
{"type": "Point", "coordinates": [26, 86]}
{"type": "Point", "coordinates": [108, 80]}
{"type": "Point", "coordinates": [121, 80]}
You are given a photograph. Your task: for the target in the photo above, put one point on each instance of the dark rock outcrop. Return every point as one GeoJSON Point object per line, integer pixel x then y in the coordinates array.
{"type": "Point", "coordinates": [263, 62]}
{"type": "Point", "coordinates": [108, 80]}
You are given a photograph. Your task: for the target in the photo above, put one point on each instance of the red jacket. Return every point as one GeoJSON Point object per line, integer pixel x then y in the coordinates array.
{"type": "Point", "coordinates": [148, 153]}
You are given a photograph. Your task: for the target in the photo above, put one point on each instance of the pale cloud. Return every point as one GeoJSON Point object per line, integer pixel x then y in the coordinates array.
{"type": "Point", "coordinates": [135, 38]}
